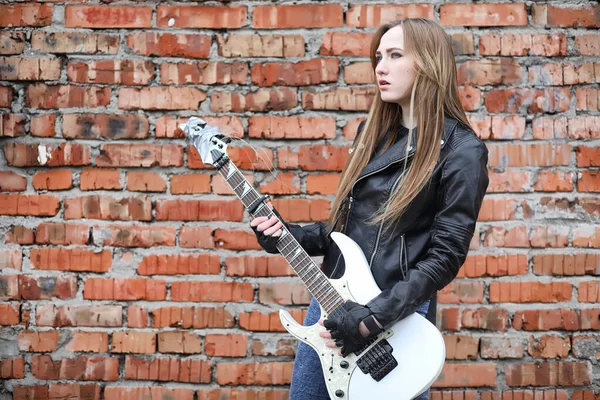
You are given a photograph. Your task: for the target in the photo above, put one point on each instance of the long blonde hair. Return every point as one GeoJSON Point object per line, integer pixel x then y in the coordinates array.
{"type": "Point", "coordinates": [434, 96]}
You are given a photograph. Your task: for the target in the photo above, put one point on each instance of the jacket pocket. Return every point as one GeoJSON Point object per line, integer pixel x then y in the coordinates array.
{"type": "Point", "coordinates": [403, 257]}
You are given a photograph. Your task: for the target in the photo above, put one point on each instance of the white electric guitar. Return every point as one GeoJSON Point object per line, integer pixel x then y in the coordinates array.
{"type": "Point", "coordinates": [400, 363]}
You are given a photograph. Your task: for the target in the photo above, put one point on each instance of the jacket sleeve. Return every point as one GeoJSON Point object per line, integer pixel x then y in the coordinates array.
{"type": "Point", "coordinates": [464, 182]}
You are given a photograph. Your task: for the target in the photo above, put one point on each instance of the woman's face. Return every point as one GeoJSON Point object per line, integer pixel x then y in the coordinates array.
{"type": "Point", "coordinates": [395, 72]}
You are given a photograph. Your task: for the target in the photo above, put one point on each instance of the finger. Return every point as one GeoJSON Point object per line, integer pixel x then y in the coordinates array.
{"type": "Point", "coordinates": [274, 229]}
{"type": "Point", "coordinates": [266, 225]}
{"type": "Point", "coordinates": [325, 335]}
{"type": "Point", "coordinates": [321, 322]}
{"type": "Point", "coordinates": [330, 344]}
{"type": "Point", "coordinates": [269, 204]}
{"type": "Point", "coordinates": [257, 220]}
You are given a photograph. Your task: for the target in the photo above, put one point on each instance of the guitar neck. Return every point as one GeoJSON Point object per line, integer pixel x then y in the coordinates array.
{"type": "Point", "coordinates": [304, 266]}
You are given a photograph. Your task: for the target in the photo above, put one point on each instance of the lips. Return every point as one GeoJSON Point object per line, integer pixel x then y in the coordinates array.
{"type": "Point", "coordinates": [383, 82]}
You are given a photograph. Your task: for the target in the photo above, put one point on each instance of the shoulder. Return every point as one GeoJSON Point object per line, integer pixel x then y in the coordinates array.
{"type": "Point", "coordinates": [463, 141]}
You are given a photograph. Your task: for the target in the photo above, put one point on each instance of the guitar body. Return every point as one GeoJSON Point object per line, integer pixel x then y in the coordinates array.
{"type": "Point", "coordinates": [417, 344]}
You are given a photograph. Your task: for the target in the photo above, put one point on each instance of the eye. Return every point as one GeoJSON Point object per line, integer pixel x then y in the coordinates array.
{"type": "Point", "coordinates": [378, 57]}
{"type": "Point", "coordinates": [396, 55]}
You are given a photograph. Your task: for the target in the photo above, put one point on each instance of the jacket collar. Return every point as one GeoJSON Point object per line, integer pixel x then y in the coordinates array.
{"type": "Point", "coordinates": [397, 152]}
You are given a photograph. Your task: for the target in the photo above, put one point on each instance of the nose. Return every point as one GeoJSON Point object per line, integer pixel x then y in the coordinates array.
{"type": "Point", "coordinates": [381, 68]}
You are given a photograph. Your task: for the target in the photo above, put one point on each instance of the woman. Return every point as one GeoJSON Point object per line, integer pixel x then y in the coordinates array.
{"type": "Point", "coordinates": [409, 194]}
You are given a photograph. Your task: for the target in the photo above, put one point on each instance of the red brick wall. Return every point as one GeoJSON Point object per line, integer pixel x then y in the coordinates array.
{"type": "Point", "coordinates": [126, 262]}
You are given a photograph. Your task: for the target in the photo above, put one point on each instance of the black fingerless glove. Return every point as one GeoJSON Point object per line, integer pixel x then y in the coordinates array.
{"type": "Point", "coordinates": [269, 242]}
{"type": "Point", "coordinates": [343, 325]}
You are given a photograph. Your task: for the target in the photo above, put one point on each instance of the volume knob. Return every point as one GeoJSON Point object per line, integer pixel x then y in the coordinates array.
{"type": "Point", "coordinates": [344, 364]}
{"type": "Point", "coordinates": [339, 393]}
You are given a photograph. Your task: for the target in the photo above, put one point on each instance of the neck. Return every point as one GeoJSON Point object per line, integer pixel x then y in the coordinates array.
{"type": "Point", "coordinates": [406, 121]}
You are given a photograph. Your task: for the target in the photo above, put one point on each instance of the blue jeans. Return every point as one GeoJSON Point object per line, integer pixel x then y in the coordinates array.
{"type": "Point", "coordinates": [308, 382]}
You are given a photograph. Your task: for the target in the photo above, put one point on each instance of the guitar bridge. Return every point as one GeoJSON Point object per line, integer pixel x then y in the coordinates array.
{"type": "Point", "coordinates": [378, 361]}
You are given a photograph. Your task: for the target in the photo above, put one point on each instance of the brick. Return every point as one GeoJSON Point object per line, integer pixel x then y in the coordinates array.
{"type": "Point", "coordinates": [12, 182]}
{"type": "Point", "coordinates": [179, 342]}
{"type": "Point", "coordinates": [168, 126]}
{"type": "Point", "coordinates": [509, 44]}
{"type": "Point", "coordinates": [461, 347]}
{"type": "Point", "coordinates": [371, 16]}
{"type": "Point", "coordinates": [180, 264]}
{"type": "Point", "coordinates": [548, 100]}
{"type": "Point", "coordinates": [493, 319]}
{"type": "Point", "coordinates": [556, 319]}
{"type": "Point", "coordinates": [93, 342]}
{"type": "Point", "coordinates": [359, 73]}
{"type": "Point", "coordinates": [588, 44]}
{"type": "Point", "coordinates": [153, 392]}
{"type": "Point", "coordinates": [500, 348]}
{"type": "Point", "coordinates": [195, 16]}
{"type": "Point", "coordinates": [80, 368]}
{"type": "Point", "coordinates": [588, 156]}
{"type": "Point", "coordinates": [525, 155]}
{"type": "Point", "coordinates": [588, 99]}
{"type": "Point", "coordinates": [160, 98]}
{"type": "Point", "coordinates": [62, 259]}
{"type": "Point", "coordinates": [260, 45]}
{"type": "Point", "coordinates": [73, 390]}
{"type": "Point", "coordinates": [494, 209]}
{"type": "Point", "coordinates": [66, 96]}
{"type": "Point", "coordinates": [6, 96]}
{"type": "Point", "coordinates": [12, 368]}
{"type": "Point", "coordinates": [62, 233]}
{"type": "Point", "coordinates": [133, 342]}
{"type": "Point", "coordinates": [254, 373]}
{"type": "Point", "coordinates": [302, 73]}
{"type": "Point", "coordinates": [220, 185]}
{"type": "Point", "coordinates": [100, 178]}
{"type": "Point", "coordinates": [140, 155]}
{"type": "Point", "coordinates": [270, 347]}
{"type": "Point", "coordinates": [283, 293]}
{"type": "Point", "coordinates": [107, 126]}
{"type": "Point", "coordinates": [273, 127]}
{"type": "Point", "coordinates": [346, 43]}
{"type": "Point", "coordinates": [482, 265]}
{"type": "Point", "coordinates": [33, 204]}
{"type": "Point", "coordinates": [47, 288]}
{"type": "Point", "coordinates": [261, 100]}
{"type": "Point", "coordinates": [297, 16]}
{"type": "Point", "coordinates": [26, 15]}
{"type": "Point", "coordinates": [128, 289]}
{"type": "Point", "coordinates": [61, 179]}
{"type": "Point", "coordinates": [490, 72]}
{"type": "Point", "coordinates": [476, 374]}
{"type": "Point", "coordinates": [228, 345]}
{"type": "Point", "coordinates": [10, 314]}
{"type": "Point", "coordinates": [74, 42]}
{"type": "Point", "coordinates": [322, 183]}
{"type": "Point", "coordinates": [43, 125]}
{"type": "Point", "coordinates": [190, 184]}
{"type": "Point", "coordinates": [470, 98]}
{"type": "Point", "coordinates": [20, 235]}
{"type": "Point", "coordinates": [9, 287]}
{"type": "Point", "coordinates": [109, 208]}
{"type": "Point", "coordinates": [30, 69]}
{"type": "Point", "coordinates": [137, 317]}
{"type": "Point", "coordinates": [589, 292]}
{"type": "Point", "coordinates": [510, 181]}
{"type": "Point", "coordinates": [168, 369]}
{"type": "Point", "coordinates": [204, 73]}
{"type": "Point", "coordinates": [169, 45]}
{"type": "Point", "coordinates": [12, 125]}
{"type": "Point", "coordinates": [270, 322]}
{"type": "Point", "coordinates": [199, 210]}
{"type": "Point", "coordinates": [565, 17]}
{"type": "Point", "coordinates": [212, 291]}
{"type": "Point", "coordinates": [12, 42]}
{"type": "Point", "coordinates": [346, 98]}
{"type": "Point", "coordinates": [261, 266]}
{"type": "Point", "coordinates": [192, 317]}
{"type": "Point", "coordinates": [566, 264]}
{"type": "Point", "coordinates": [108, 16]}
{"type": "Point", "coordinates": [462, 292]}
{"type": "Point", "coordinates": [38, 341]}
{"type": "Point", "coordinates": [320, 157]}
{"type": "Point", "coordinates": [483, 15]}
{"type": "Point", "coordinates": [145, 181]}
{"type": "Point", "coordinates": [462, 43]}
{"type": "Point", "coordinates": [282, 183]}
{"type": "Point", "coordinates": [554, 181]}
{"type": "Point", "coordinates": [547, 374]}
{"type": "Point", "coordinates": [81, 315]}
{"type": "Point", "coordinates": [11, 258]}
{"type": "Point", "coordinates": [549, 346]}
{"type": "Point", "coordinates": [301, 210]}
{"type": "Point", "coordinates": [32, 155]}
{"type": "Point", "coordinates": [588, 181]}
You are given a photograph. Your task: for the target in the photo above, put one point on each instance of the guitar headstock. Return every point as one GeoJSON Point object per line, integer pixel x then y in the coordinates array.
{"type": "Point", "coordinates": [207, 139]}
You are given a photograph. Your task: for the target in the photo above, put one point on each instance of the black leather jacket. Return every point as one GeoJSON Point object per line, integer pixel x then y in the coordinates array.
{"type": "Point", "coordinates": [425, 250]}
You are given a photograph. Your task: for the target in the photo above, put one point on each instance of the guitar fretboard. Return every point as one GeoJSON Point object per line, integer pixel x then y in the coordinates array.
{"type": "Point", "coordinates": [304, 266]}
